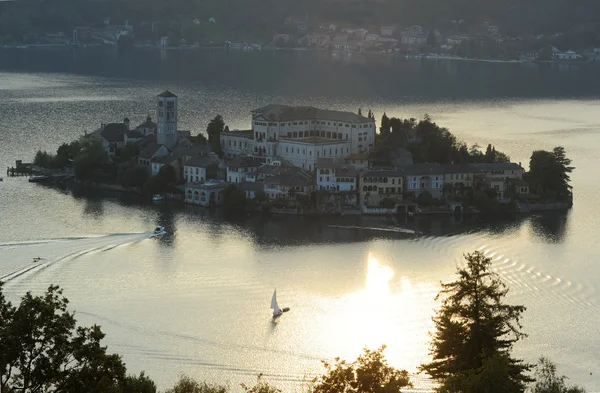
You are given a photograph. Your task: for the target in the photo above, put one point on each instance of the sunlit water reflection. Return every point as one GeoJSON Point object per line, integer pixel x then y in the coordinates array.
{"type": "Point", "coordinates": [197, 300]}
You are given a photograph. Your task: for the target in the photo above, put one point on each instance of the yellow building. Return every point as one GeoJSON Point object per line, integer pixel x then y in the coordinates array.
{"type": "Point", "coordinates": [377, 185]}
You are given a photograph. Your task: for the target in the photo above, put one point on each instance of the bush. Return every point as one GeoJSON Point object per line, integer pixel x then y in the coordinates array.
{"type": "Point", "coordinates": [425, 198]}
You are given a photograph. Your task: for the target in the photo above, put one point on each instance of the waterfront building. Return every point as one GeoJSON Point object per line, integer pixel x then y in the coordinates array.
{"type": "Point", "coordinates": [377, 185]}
{"type": "Point", "coordinates": [424, 177]}
{"type": "Point", "coordinates": [289, 185]}
{"type": "Point", "coordinates": [459, 177]}
{"type": "Point", "coordinates": [499, 176]}
{"type": "Point", "coordinates": [201, 168]}
{"type": "Point", "coordinates": [208, 193]}
{"type": "Point", "coordinates": [336, 182]}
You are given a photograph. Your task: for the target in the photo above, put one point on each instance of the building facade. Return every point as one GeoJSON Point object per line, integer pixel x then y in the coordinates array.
{"type": "Point", "coordinates": [301, 135]}
{"type": "Point", "coordinates": [425, 177]}
{"type": "Point", "coordinates": [377, 185]}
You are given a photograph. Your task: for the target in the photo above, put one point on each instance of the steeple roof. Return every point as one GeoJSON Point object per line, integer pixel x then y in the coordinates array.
{"type": "Point", "coordinates": [167, 93]}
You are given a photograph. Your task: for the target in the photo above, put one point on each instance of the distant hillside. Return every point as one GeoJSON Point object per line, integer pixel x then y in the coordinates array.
{"type": "Point", "coordinates": [238, 19]}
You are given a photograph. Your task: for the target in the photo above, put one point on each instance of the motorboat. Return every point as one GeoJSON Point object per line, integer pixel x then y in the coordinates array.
{"type": "Point", "coordinates": [158, 198]}
{"type": "Point", "coordinates": [36, 259]}
{"type": "Point", "coordinates": [38, 178]}
{"type": "Point", "coordinates": [277, 312]}
{"type": "Point", "coordinates": [159, 231]}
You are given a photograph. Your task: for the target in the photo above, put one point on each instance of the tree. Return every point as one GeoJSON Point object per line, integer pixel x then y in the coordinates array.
{"type": "Point", "coordinates": [549, 174]}
{"type": "Point", "coordinates": [370, 115]}
{"type": "Point", "coordinates": [234, 201]}
{"type": "Point", "coordinates": [474, 331]}
{"type": "Point", "coordinates": [384, 128]}
{"type": "Point", "coordinates": [44, 351]}
{"type": "Point", "coordinates": [43, 159]}
{"type": "Point", "coordinates": [168, 173]}
{"type": "Point", "coordinates": [129, 152]}
{"type": "Point", "coordinates": [369, 373]}
{"type": "Point", "coordinates": [425, 198]}
{"type": "Point", "coordinates": [91, 157]}
{"type": "Point", "coordinates": [546, 380]}
{"type": "Point", "coordinates": [189, 385]}
{"type": "Point", "coordinates": [260, 387]}
{"type": "Point", "coordinates": [359, 111]}
{"type": "Point", "coordinates": [214, 130]}
{"type": "Point", "coordinates": [431, 39]}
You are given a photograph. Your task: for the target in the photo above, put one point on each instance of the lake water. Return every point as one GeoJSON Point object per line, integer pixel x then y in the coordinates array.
{"type": "Point", "coordinates": [197, 301]}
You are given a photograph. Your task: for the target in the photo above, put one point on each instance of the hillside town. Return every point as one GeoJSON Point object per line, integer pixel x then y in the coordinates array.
{"type": "Point", "coordinates": [485, 41]}
{"type": "Point", "coordinates": [304, 159]}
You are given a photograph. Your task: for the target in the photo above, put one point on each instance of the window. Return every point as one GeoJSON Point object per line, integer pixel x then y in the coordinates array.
{"type": "Point", "coordinates": [286, 150]}
{"type": "Point", "coordinates": [347, 125]}
{"type": "Point", "coordinates": [393, 181]}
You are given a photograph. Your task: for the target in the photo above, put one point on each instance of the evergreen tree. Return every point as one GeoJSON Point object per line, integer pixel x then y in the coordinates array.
{"type": "Point", "coordinates": [370, 116]}
{"type": "Point", "coordinates": [549, 173]}
{"type": "Point", "coordinates": [385, 127]}
{"type": "Point", "coordinates": [359, 112]}
{"type": "Point", "coordinates": [475, 332]}
{"type": "Point", "coordinates": [214, 130]}
{"type": "Point", "coordinates": [431, 39]}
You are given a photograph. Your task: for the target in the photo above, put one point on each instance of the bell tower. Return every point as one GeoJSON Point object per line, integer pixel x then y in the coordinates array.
{"type": "Point", "coordinates": [166, 119]}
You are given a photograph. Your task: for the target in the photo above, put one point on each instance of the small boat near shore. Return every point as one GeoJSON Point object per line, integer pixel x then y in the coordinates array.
{"type": "Point", "coordinates": [38, 178]}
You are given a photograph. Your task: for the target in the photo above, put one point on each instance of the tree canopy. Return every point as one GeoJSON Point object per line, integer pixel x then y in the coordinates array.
{"type": "Point", "coordinates": [370, 373]}
{"type": "Point", "coordinates": [549, 174]}
{"type": "Point", "coordinates": [214, 130]}
{"type": "Point", "coordinates": [475, 332]}
{"type": "Point", "coordinates": [44, 351]}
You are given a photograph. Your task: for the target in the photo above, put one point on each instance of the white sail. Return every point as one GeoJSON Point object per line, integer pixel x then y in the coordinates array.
{"type": "Point", "coordinates": [274, 305]}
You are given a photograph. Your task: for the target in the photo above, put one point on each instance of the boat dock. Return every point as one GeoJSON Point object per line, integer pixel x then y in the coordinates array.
{"type": "Point", "coordinates": [20, 169]}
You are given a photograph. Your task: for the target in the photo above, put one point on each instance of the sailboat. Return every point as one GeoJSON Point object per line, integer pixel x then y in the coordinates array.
{"type": "Point", "coordinates": [276, 310]}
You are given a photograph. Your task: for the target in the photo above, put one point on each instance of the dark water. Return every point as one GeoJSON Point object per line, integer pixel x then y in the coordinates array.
{"type": "Point", "coordinates": [196, 301]}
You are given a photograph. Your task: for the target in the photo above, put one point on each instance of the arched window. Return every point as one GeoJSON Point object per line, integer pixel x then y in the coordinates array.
{"type": "Point", "coordinates": [365, 188]}
{"type": "Point", "coordinates": [203, 197]}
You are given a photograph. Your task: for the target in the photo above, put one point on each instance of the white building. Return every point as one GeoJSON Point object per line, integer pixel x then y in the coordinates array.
{"type": "Point", "coordinates": [239, 167]}
{"type": "Point", "coordinates": [335, 177]}
{"type": "Point", "coordinates": [198, 169]}
{"type": "Point", "coordinates": [301, 135]}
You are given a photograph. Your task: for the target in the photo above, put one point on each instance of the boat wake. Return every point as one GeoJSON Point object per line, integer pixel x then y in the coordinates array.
{"type": "Point", "coordinates": [380, 229]}
{"type": "Point", "coordinates": [26, 259]}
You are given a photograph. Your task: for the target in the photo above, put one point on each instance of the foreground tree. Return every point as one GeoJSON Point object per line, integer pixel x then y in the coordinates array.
{"type": "Point", "coordinates": [370, 373]}
{"type": "Point", "coordinates": [186, 384]}
{"type": "Point", "coordinates": [44, 351]}
{"type": "Point", "coordinates": [475, 332]}
{"type": "Point", "coordinates": [546, 380]}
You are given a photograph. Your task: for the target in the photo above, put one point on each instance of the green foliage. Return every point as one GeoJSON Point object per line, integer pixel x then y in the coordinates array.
{"type": "Point", "coordinates": [475, 332]}
{"type": "Point", "coordinates": [546, 380]}
{"type": "Point", "coordinates": [385, 127]}
{"type": "Point", "coordinates": [549, 174]}
{"type": "Point", "coordinates": [138, 384]}
{"type": "Point", "coordinates": [260, 387]}
{"type": "Point", "coordinates": [190, 385]}
{"type": "Point", "coordinates": [388, 203]}
{"type": "Point", "coordinates": [214, 130]}
{"type": "Point", "coordinates": [431, 39]}
{"type": "Point", "coordinates": [168, 173]}
{"type": "Point", "coordinates": [132, 175]}
{"type": "Point", "coordinates": [43, 159]}
{"type": "Point", "coordinates": [44, 351]}
{"type": "Point", "coordinates": [129, 152]}
{"type": "Point", "coordinates": [369, 373]}
{"type": "Point", "coordinates": [425, 199]}
{"type": "Point", "coordinates": [90, 160]}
